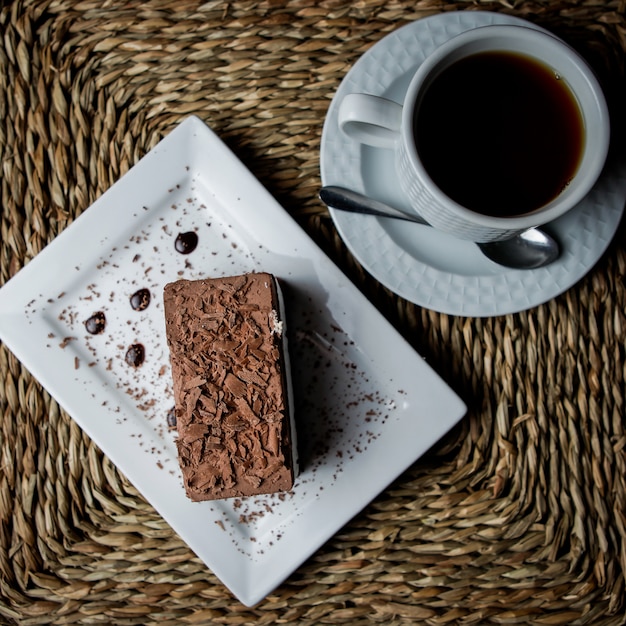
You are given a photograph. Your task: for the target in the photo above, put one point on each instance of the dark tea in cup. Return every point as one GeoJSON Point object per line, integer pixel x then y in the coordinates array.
{"type": "Point", "coordinates": [500, 133]}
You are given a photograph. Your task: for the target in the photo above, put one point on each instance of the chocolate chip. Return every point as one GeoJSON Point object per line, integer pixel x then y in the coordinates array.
{"type": "Point", "coordinates": [96, 323]}
{"type": "Point", "coordinates": [171, 418]}
{"type": "Point", "coordinates": [135, 355]}
{"type": "Point", "coordinates": [140, 299]}
{"type": "Point", "coordinates": [186, 242]}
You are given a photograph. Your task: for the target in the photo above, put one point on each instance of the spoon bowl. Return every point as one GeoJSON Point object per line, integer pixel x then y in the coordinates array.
{"type": "Point", "coordinates": [530, 249]}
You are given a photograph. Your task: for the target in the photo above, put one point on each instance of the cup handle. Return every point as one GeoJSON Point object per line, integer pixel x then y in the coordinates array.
{"type": "Point", "coordinates": [371, 120]}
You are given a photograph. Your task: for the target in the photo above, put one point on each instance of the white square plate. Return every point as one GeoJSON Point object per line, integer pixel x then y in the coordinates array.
{"type": "Point", "coordinates": [367, 405]}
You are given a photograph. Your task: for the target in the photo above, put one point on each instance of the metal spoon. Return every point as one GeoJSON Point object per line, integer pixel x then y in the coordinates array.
{"type": "Point", "coordinates": [529, 249]}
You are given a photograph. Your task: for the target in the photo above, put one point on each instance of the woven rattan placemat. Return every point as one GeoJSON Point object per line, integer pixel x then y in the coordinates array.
{"type": "Point", "coordinates": [518, 516]}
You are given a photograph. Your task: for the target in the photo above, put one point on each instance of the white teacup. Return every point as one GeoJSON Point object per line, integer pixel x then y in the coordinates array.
{"type": "Point", "coordinates": [379, 122]}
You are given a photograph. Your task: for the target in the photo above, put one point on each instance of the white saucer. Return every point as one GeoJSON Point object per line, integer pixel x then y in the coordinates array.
{"type": "Point", "coordinates": [424, 266]}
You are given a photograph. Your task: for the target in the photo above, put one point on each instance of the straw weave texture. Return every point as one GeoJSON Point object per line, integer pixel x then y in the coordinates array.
{"type": "Point", "coordinates": [517, 517]}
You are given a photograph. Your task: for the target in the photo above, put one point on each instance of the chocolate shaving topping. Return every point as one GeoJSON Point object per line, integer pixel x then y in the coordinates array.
{"type": "Point", "coordinates": [229, 386]}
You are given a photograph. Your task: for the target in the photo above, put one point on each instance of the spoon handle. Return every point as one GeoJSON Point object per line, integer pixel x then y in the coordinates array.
{"type": "Point", "coordinates": [529, 249]}
{"type": "Point", "coordinates": [347, 200]}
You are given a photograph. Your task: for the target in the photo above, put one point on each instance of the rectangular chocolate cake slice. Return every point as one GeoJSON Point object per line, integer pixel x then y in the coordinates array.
{"type": "Point", "coordinates": [231, 386]}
